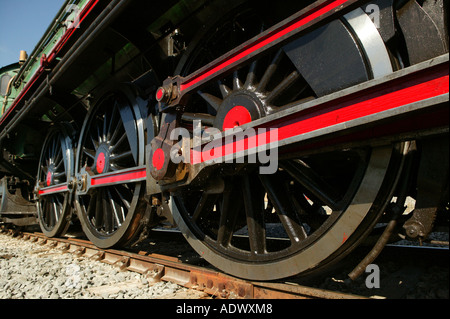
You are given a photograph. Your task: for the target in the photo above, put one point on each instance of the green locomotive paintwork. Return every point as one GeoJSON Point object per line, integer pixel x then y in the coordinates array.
{"type": "Point", "coordinates": [44, 47]}
{"type": "Point", "coordinates": [7, 91]}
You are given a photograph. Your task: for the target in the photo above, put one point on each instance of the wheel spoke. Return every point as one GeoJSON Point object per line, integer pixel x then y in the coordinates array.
{"type": "Point", "coordinates": [278, 194]}
{"type": "Point", "coordinates": [212, 100]}
{"type": "Point", "coordinates": [124, 194]}
{"type": "Point", "coordinates": [45, 211]}
{"type": "Point", "coordinates": [204, 206]}
{"type": "Point", "coordinates": [98, 211]}
{"type": "Point", "coordinates": [251, 76]}
{"type": "Point", "coordinates": [99, 134]}
{"type": "Point", "coordinates": [89, 153]}
{"type": "Point", "coordinates": [117, 218]}
{"type": "Point", "coordinates": [107, 216]}
{"type": "Point", "coordinates": [58, 175]}
{"type": "Point", "coordinates": [94, 142]}
{"type": "Point", "coordinates": [105, 126]}
{"type": "Point", "coordinates": [312, 182]}
{"type": "Point", "coordinates": [224, 90]}
{"type": "Point", "coordinates": [48, 213]}
{"type": "Point", "coordinates": [237, 84]}
{"type": "Point", "coordinates": [229, 212]}
{"type": "Point", "coordinates": [122, 207]}
{"type": "Point", "coordinates": [49, 155]}
{"type": "Point", "coordinates": [57, 157]}
{"type": "Point", "coordinates": [58, 164]}
{"type": "Point", "coordinates": [254, 210]}
{"type": "Point", "coordinates": [111, 128]}
{"type": "Point", "coordinates": [55, 208]}
{"type": "Point", "coordinates": [270, 71]}
{"type": "Point", "coordinates": [44, 170]}
{"type": "Point", "coordinates": [116, 131]}
{"type": "Point", "coordinates": [54, 148]}
{"type": "Point", "coordinates": [123, 155]}
{"type": "Point", "coordinates": [283, 86]}
{"type": "Point", "coordinates": [120, 141]}
{"type": "Point", "coordinates": [314, 215]}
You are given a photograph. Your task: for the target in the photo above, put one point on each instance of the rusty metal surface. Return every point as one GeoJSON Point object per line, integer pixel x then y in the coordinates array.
{"type": "Point", "coordinates": [264, 290]}
{"type": "Point", "coordinates": [157, 267]}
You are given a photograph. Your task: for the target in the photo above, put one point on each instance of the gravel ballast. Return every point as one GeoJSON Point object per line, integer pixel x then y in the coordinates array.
{"type": "Point", "coordinates": [32, 271]}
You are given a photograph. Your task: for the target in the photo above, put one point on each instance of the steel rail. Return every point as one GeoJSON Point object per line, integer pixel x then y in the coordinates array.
{"type": "Point", "coordinates": [158, 267]}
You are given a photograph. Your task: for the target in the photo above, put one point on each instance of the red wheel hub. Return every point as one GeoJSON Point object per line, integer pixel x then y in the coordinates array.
{"type": "Point", "coordinates": [237, 116]}
{"type": "Point", "coordinates": [49, 178]}
{"type": "Point", "coordinates": [100, 164]}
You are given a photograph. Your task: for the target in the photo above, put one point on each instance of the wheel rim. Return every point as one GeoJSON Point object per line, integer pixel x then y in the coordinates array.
{"type": "Point", "coordinates": [111, 141]}
{"type": "Point", "coordinates": [55, 167]}
{"type": "Point", "coordinates": [230, 228]}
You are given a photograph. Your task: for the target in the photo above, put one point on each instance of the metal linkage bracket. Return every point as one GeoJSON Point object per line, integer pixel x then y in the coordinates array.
{"type": "Point", "coordinates": [432, 180]}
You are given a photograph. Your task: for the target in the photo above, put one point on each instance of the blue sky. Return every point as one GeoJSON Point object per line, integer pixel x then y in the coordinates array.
{"type": "Point", "coordinates": [22, 24]}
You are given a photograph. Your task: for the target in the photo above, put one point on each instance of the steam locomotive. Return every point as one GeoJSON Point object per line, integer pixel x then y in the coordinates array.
{"type": "Point", "coordinates": [275, 136]}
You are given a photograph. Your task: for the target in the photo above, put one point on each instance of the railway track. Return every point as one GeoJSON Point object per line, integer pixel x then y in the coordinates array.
{"type": "Point", "coordinates": [158, 267]}
{"type": "Point", "coordinates": [190, 271]}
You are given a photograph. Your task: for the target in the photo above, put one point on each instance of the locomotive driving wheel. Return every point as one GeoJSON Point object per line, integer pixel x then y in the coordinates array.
{"type": "Point", "coordinates": [317, 206]}
{"type": "Point", "coordinates": [312, 210]}
{"type": "Point", "coordinates": [55, 168]}
{"type": "Point", "coordinates": [111, 141]}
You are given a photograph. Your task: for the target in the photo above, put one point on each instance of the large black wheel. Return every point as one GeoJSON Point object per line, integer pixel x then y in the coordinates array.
{"type": "Point", "coordinates": [111, 140]}
{"type": "Point", "coordinates": [312, 210]}
{"type": "Point", "coordinates": [56, 166]}
{"type": "Point", "coordinates": [317, 206]}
